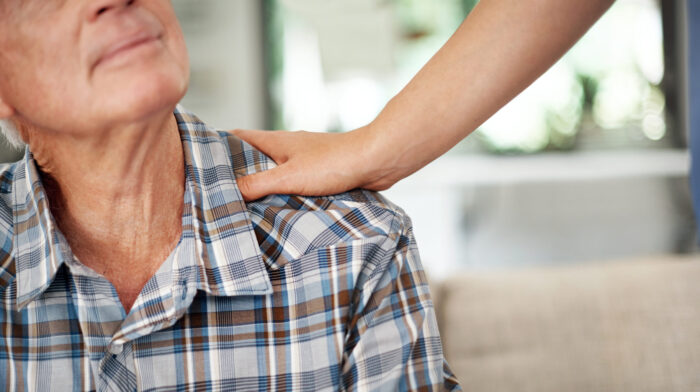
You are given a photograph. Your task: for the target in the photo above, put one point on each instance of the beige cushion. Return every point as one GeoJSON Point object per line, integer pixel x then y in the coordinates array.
{"type": "Point", "coordinates": [622, 326]}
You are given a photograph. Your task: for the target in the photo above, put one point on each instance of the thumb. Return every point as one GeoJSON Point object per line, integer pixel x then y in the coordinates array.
{"type": "Point", "coordinates": [255, 186]}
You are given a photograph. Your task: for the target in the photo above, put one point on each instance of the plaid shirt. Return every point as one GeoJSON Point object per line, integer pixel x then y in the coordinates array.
{"type": "Point", "coordinates": [285, 293]}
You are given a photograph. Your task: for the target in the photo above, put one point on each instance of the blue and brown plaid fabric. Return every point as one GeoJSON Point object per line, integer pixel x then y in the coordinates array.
{"type": "Point", "coordinates": [285, 293]}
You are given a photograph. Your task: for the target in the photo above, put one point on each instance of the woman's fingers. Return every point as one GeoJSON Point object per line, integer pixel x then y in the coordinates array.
{"type": "Point", "coordinates": [272, 143]}
{"type": "Point", "coordinates": [312, 164]}
{"type": "Point", "coordinates": [264, 183]}
{"type": "Point", "coordinates": [308, 163]}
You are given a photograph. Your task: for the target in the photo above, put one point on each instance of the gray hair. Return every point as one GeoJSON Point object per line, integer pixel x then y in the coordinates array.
{"type": "Point", "coordinates": [8, 129]}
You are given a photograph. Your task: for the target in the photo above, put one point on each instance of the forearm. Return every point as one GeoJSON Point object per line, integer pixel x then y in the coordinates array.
{"type": "Point", "coordinates": [502, 47]}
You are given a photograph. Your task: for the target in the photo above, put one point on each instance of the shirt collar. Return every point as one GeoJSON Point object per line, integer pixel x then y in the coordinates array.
{"type": "Point", "coordinates": [37, 246]}
{"type": "Point", "coordinates": [227, 252]}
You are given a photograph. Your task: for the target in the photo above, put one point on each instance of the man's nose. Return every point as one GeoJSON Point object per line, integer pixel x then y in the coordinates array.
{"type": "Point", "coordinates": [101, 7]}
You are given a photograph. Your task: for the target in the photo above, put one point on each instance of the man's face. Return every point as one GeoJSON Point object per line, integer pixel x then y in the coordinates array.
{"type": "Point", "coordinates": [78, 65]}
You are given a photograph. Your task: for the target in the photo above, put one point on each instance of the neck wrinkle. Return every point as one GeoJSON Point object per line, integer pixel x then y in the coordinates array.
{"type": "Point", "coordinates": [121, 202]}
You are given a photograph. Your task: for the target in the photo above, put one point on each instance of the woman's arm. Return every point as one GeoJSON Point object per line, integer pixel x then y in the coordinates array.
{"type": "Point", "coordinates": [500, 48]}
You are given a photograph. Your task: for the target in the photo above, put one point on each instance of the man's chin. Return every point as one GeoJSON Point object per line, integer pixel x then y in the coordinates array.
{"type": "Point", "coordinates": [142, 96]}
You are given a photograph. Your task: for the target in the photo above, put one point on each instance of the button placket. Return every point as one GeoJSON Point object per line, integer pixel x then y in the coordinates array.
{"type": "Point", "coordinates": [116, 371]}
{"type": "Point", "coordinates": [116, 348]}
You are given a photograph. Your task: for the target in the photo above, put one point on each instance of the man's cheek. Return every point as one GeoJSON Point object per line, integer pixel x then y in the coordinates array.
{"type": "Point", "coordinates": [28, 9]}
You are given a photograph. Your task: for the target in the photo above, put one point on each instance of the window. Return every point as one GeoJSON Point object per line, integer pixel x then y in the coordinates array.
{"type": "Point", "coordinates": [334, 65]}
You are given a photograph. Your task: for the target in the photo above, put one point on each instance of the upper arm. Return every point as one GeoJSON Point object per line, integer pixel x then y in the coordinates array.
{"type": "Point", "coordinates": [393, 341]}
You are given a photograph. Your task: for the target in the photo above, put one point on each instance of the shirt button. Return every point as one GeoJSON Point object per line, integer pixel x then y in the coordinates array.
{"type": "Point", "coordinates": [116, 348]}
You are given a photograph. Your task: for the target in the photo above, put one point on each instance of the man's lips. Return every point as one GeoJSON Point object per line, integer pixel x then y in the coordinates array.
{"type": "Point", "coordinates": [113, 50]}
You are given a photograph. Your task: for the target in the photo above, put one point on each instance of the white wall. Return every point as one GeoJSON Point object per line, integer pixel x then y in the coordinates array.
{"type": "Point", "coordinates": [224, 39]}
{"type": "Point", "coordinates": [474, 213]}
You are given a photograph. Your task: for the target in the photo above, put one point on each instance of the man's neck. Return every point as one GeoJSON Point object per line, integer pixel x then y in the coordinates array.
{"type": "Point", "coordinates": [117, 198]}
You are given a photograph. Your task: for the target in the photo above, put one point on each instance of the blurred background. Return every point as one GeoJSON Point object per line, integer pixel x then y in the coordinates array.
{"type": "Point", "coordinates": [587, 167]}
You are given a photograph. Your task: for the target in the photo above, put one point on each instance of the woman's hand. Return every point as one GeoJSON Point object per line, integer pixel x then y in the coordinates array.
{"type": "Point", "coordinates": [312, 164]}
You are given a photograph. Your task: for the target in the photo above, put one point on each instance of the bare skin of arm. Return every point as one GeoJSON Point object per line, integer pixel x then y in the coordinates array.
{"type": "Point", "coordinates": [499, 49]}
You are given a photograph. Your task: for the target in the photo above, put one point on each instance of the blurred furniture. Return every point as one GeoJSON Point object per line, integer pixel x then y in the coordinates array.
{"type": "Point", "coordinates": [616, 326]}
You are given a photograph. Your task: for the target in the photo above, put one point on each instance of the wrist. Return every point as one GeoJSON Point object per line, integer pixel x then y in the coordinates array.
{"type": "Point", "coordinates": [377, 159]}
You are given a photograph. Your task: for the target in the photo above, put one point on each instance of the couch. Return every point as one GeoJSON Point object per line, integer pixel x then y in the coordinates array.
{"type": "Point", "coordinates": [616, 326]}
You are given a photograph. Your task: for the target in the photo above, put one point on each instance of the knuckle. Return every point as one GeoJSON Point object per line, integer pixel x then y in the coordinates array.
{"type": "Point", "coordinates": [244, 186]}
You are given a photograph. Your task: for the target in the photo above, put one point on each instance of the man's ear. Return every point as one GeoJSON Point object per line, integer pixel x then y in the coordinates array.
{"type": "Point", "coordinates": [6, 111]}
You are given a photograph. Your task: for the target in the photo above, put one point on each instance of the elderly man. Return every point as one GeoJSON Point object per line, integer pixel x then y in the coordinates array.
{"type": "Point", "coordinates": [129, 260]}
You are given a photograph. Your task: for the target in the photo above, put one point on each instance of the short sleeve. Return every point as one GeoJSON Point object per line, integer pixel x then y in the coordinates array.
{"type": "Point", "coordinates": [393, 342]}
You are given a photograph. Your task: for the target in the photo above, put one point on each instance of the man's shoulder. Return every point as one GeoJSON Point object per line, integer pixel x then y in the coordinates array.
{"type": "Point", "coordinates": [305, 223]}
